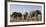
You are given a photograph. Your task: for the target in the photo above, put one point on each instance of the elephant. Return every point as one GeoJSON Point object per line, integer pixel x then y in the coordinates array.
{"type": "Point", "coordinates": [16, 14]}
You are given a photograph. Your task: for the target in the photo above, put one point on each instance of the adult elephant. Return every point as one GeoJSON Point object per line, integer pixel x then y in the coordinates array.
{"type": "Point", "coordinates": [38, 13]}
{"type": "Point", "coordinates": [25, 16]}
{"type": "Point", "coordinates": [16, 14]}
{"type": "Point", "coordinates": [35, 14]}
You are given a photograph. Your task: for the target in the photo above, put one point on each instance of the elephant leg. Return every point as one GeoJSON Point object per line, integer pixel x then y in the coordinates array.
{"type": "Point", "coordinates": [13, 17]}
{"type": "Point", "coordinates": [37, 18]}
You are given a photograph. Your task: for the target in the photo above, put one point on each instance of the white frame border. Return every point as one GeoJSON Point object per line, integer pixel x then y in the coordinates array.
{"type": "Point", "coordinates": [18, 23]}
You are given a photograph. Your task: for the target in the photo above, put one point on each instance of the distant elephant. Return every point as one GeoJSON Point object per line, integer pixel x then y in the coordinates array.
{"type": "Point", "coordinates": [25, 16]}
{"type": "Point", "coordinates": [35, 13]}
{"type": "Point", "coordinates": [16, 14]}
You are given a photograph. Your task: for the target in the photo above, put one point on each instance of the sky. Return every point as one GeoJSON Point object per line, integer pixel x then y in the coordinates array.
{"type": "Point", "coordinates": [24, 8]}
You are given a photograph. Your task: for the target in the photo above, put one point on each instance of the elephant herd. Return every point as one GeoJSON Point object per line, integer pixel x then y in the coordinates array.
{"type": "Point", "coordinates": [26, 16]}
